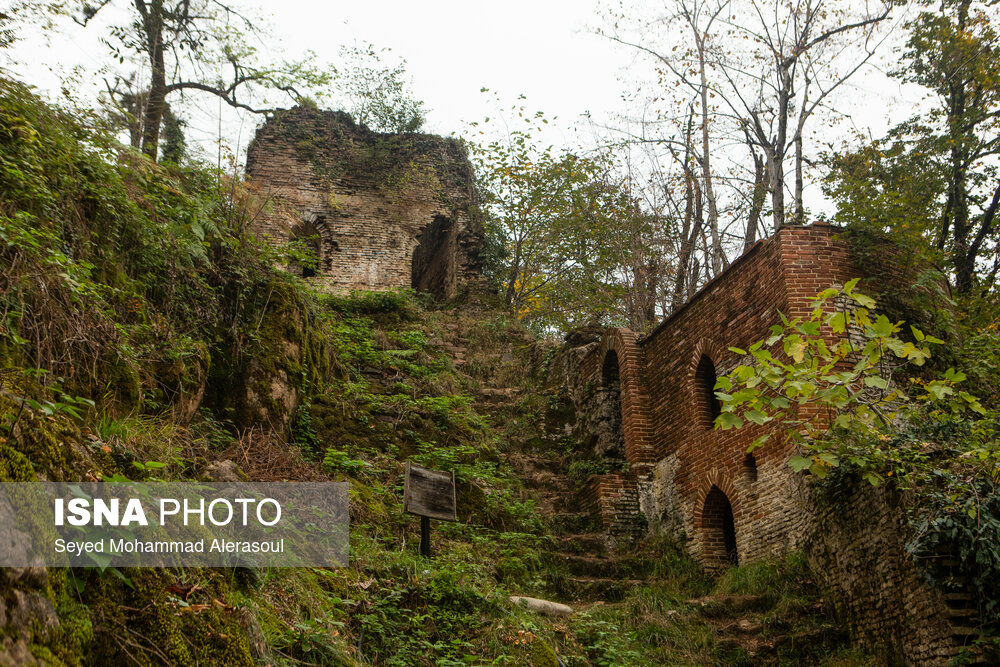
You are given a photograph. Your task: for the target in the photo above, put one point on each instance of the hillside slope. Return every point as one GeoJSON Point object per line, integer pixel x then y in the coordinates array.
{"type": "Point", "coordinates": [145, 335]}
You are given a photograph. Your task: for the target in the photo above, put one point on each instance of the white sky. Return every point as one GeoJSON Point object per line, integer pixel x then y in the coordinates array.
{"type": "Point", "coordinates": [540, 48]}
{"type": "Point", "coordinates": [544, 49]}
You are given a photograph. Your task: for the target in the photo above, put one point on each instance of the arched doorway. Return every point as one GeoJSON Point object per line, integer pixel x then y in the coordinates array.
{"type": "Point", "coordinates": [432, 269]}
{"type": "Point", "coordinates": [718, 529]}
{"type": "Point", "coordinates": [306, 251]}
{"type": "Point", "coordinates": [610, 427]}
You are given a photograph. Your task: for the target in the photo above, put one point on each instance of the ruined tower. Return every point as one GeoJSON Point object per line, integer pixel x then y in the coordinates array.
{"type": "Point", "coordinates": [376, 211]}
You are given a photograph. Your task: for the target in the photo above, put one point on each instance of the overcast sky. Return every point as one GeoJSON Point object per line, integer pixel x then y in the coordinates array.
{"type": "Point", "coordinates": [544, 49]}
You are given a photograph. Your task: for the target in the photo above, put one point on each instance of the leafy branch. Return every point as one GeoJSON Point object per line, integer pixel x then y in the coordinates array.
{"type": "Point", "coordinates": [826, 382]}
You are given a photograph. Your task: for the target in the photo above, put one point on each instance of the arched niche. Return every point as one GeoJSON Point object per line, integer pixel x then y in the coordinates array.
{"type": "Point", "coordinates": [308, 246]}
{"type": "Point", "coordinates": [709, 406]}
{"type": "Point", "coordinates": [610, 427]}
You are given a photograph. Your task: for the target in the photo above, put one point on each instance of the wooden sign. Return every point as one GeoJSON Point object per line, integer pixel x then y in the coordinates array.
{"type": "Point", "coordinates": [429, 493]}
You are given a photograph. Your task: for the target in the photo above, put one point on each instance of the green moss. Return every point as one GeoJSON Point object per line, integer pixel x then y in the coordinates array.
{"type": "Point", "coordinates": [542, 655]}
{"type": "Point", "coordinates": [76, 630]}
{"type": "Point", "coordinates": [15, 466]}
{"type": "Point", "coordinates": [143, 623]}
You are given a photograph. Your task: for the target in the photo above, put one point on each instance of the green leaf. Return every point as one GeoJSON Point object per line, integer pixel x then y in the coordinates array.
{"type": "Point", "coordinates": [838, 321]}
{"type": "Point", "coordinates": [759, 441]}
{"type": "Point", "coordinates": [864, 300]}
{"type": "Point", "coordinates": [728, 420]}
{"type": "Point", "coordinates": [820, 470]}
{"type": "Point", "coordinates": [795, 347]}
{"type": "Point", "coordinates": [829, 458]}
{"type": "Point", "coordinates": [799, 463]}
{"type": "Point", "coordinates": [882, 326]}
{"type": "Point", "coordinates": [850, 285]}
{"type": "Point", "coordinates": [876, 381]}
{"type": "Point", "coordinates": [954, 376]}
{"type": "Point", "coordinates": [872, 478]}
{"type": "Point", "coordinates": [843, 421]}
{"type": "Point", "coordinates": [757, 417]}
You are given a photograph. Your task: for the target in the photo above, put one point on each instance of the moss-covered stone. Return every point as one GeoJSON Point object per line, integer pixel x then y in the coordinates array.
{"type": "Point", "coordinates": [140, 621]}
{"type": "Point", "coordinates": [542, 655]}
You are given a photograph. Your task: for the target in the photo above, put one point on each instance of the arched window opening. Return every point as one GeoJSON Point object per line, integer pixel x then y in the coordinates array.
{"type": "Point", "coordinates": [718, 531]}
{"type": "Point", "coordinates": [305, 251]}
{"type": "Point", "coordinates": [750, 468]}
{"type": "Point", "coordinates": [705, 379]}
{"type": "Point", "coordinates": [432, 268]}
{"type": "Point", "coordinates": [610, 428]}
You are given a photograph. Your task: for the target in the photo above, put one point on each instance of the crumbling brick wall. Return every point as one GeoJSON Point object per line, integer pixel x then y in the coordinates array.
{"type": "Point", "coordinates": [860, 562]}
{"type": "Point", "coordinates": [381, 211]}
{"type": "Point", "coordinates": [700, 483]}
{"type": "Point", "coordinates": [755, 505]}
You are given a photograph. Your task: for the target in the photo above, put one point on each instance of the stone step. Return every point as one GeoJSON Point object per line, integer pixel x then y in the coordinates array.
{"type": "Point", "coordinates": [607, 589]}
{"type": "Point", "coordinates": [562, 506]}
{"type": "Point", "coordinates": [547, 481]}
{"type": "Point", "coordinates": [530, 464]}
{"type": "Point", "coordinates": [500, 393]}
{"type": "Point", "coordinates": [587, 566]}
{"type": "Point", "coordinates": [580, 543]}
{"type": "Point", "coordinates": [574, 522]}
{"type": "Point", "coordinates": [729, 606]}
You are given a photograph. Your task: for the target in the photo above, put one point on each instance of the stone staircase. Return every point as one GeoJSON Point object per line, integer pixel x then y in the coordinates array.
{"type": "Point", "coordinates": [750, 630]}
{"type": "Point", "coordinates": [585, 571]}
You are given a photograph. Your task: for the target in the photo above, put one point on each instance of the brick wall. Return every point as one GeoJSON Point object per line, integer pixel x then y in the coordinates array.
{"type": "Point", "coordinates": [691, 480]}
{"type": "Point", "coordinates": [616, 502]}
{"type": "Point", "coordinates": [859, 560]}
{"type": "Point", "coordinates": [390, 211]}
{"type": "Point", "coordinates": [667, 408]}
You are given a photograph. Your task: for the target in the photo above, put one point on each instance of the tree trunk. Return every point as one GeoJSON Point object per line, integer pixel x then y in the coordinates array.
{"type": "Point", "coordinates": [715, 254]}
{"type": "Point", "coordinates": [760, 182]}
{"type": "Point", "coordinates": [800, 210]}
{"type": "Point", "coordinates": [963, 260]}
{"type": "Point", "coordinates": [152, 117]}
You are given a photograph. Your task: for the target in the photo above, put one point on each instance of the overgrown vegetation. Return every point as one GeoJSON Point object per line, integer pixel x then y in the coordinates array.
{"type": "Point", "coordinates": [861, 401]}
{"type": "Point", "coordinates": [133, 290]}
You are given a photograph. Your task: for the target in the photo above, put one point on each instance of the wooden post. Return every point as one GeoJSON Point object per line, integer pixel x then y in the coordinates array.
{"type": "Point", "coordinates": [425, 536]}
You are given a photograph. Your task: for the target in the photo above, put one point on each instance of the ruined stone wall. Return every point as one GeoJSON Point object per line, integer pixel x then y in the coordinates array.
{"type": "Point", "coordinates": [699, 483]}
{"type": "Point", "coordinates": [859, 560]}
{"type": "Point", "coordinates": [382, 211]}
{"type": "Point", "coordinates": [667, 402]}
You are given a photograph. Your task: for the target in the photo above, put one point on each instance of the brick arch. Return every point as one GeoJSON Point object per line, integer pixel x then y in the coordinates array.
{"type": "Point", "coordinates": [708, 347]}
{"type": "Point", "coordinates": [639, 450]}
{"type": "Point", "coordinates": [694, 382]}
{"type": "Point", "coordinates": [324, 231]}
{"type": "Point", "coordinates": [716, 517]}
{"type": "Point", "coordinates": [717, 478]}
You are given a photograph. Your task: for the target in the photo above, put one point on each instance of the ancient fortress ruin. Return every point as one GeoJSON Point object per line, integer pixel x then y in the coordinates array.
{"type": "Point", "coordinates": [733, 505]}
{"type": "Point", "coordinates": [378, 211]}
{"type": "Point", "coordinates": [649, 404]}
{"type": "Point", "coordinates": [398, 211]}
